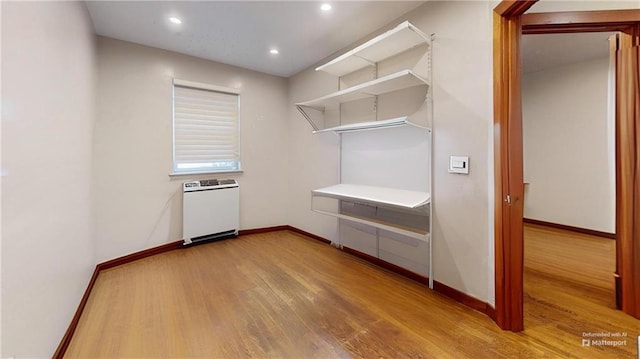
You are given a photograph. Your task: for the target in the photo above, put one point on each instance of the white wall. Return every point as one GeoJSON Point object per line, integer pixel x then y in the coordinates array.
{"type": "Point", "coordinates": [314, 160]}
{"type": "Point", "coordinates": [136, 204]}
{"type": "Point", "coordinates": [462, 124]}
{"type": "Point", "coordinates": [48, 65]}
{"type": "Point", "coordinates": [569, 161]}
{"type": "Point", "coordinates": [1, 116]}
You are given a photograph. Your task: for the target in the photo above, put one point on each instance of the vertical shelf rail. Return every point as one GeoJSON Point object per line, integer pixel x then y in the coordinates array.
{"type": "Point", "coordinates": [431, 121]}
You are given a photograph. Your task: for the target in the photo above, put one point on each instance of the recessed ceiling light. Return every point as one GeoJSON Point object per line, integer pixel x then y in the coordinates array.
{"type": "Point", "coordinates": [175, 20]}
{"type": "Point", "coordinates": [325, 7]}
{"type": "Point", "coordinates": [274, 51]}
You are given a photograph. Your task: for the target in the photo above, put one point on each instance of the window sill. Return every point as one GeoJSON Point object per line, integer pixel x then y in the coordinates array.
{"type": "Point", "coordinates": [181, 174]}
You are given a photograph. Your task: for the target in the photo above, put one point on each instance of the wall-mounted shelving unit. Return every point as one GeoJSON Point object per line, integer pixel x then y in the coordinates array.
{"type": "Point", "coordinates": [391, 210]}
{"type": "Point", "coordinates": [391, 43]}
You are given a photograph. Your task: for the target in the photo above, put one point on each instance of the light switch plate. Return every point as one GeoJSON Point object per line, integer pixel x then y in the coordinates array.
{"type": "Point", "coordinates": [459, 164]}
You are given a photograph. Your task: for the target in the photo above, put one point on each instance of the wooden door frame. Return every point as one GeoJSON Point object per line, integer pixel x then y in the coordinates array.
{"type": "Point", "coordinates": [509, 23]}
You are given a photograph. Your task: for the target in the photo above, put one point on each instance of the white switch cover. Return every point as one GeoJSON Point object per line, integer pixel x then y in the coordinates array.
{"type": "Point", "coordinates": [459, 164]}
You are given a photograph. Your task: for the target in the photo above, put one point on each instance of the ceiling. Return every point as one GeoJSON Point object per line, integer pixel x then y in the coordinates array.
{"type": "Point", "coordinates": [540, 52]}
{"type": "Point", "coordinates": [241, 33]}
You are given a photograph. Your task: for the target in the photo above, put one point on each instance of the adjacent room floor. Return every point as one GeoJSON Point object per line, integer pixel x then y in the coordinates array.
{"type": "Point", "coordinates": [283, 295]}
{"type": "Point", "coordinates": [569, 286]}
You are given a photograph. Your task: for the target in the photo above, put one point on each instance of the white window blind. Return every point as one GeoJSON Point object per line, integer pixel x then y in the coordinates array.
{"type": "Point", "coordinates": [205, 129]}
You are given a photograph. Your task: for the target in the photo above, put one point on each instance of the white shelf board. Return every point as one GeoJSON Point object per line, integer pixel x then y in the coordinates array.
{"type": "Point", "coordinates": [395, 41]}
{"type": "Point", "coordinates": [375, 195]}
{"type": "Point", "coordinates": [372, 125]}
{"type": "Point", "coordinates": [393, 82]}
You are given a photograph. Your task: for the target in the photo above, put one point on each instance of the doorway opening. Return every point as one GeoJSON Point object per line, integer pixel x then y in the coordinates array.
{"type": "Point", "coordinates": [568, 116]}
{"type": "Point", "coordinates": [509, 24]}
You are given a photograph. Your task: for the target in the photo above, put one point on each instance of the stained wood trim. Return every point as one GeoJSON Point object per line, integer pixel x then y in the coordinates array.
{"type": "Point", "coordinates": [500, 108]}
{"type": "Point", "coordinates": [509, 187]}
{"type": "Point", "coordinates": [590, 232]}
{"type": "Point", "coordinates": [635, 256]}
{"type": "Point", "coordinates": [532, 30]}
{"type": "Point", "coordinates": [514, 184]}
{"type": "Point", "coordinates": [310, 235]}
{"type": "Point", "coordinates": [509, 8]}
{"type": "Point", "coordinates": [491, 312]}
{"type": "Point", "coordinates": [579, 21]}
{"type": "Point", "coordinates": [464, 299]}
{"type": "Point", "coordinates": [628, 170]}
{"type": "Point", "coordinates": [139, 255]}
{"type": "Point", "coordinates": [245, 232]}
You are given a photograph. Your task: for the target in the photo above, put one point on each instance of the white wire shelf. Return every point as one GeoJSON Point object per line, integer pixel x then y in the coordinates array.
{"type": "Point", "coordinates": [395, 41]}
{"type": "Point", "coordinates": [373, 125]}
{"type": "Point", "coordinates": [393, 82]}
{"type": "Point", "coordinates": [384, 196]}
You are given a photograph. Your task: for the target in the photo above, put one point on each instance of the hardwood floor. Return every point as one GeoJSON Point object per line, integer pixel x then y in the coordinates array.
{"type": "Point", "coordinates": [570, 256]}
{"type": "Point", "coordinates": [569, 289]}
{"type": "Point", "coordinates": [282, 295]}
{"type": "Point", "coordinates": [569, 285]}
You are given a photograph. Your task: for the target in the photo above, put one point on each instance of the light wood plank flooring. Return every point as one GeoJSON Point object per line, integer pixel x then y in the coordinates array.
{"type": "Point", "coordinates": [282, 295]}
{"type": "Point", "coordinates": [570, 256]}
{"type": "Point", "coordinates": [569, 286]}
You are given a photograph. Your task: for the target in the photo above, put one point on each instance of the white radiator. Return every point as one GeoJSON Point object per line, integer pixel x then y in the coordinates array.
{"type": "Point", "coordinates": [210, 210]}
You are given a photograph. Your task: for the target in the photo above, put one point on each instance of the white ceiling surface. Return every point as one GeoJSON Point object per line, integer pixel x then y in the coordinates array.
{"type": "Point", "coordinates": [241, 33]}
{"type": "Point", "coordinates": [540, 52]}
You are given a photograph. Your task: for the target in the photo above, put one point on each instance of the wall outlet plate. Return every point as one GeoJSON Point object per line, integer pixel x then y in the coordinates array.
{"type": "Point", "coordinates": [459, 164]}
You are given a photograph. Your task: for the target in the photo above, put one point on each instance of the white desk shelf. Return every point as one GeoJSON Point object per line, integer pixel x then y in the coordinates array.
{"type": "Point", "coordinates": [392, 198]}
{"type": "Point", "coordinates": [393, 42]}
{"type": "Point", "coordinates": [377, 196]}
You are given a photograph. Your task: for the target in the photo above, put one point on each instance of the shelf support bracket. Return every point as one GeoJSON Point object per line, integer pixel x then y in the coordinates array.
{"type": "Point", "coordinates": [306, 116]}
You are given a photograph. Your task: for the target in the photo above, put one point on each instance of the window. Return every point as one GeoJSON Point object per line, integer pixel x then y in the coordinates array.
{"type": "Point", "coordinates": [206, 129]}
